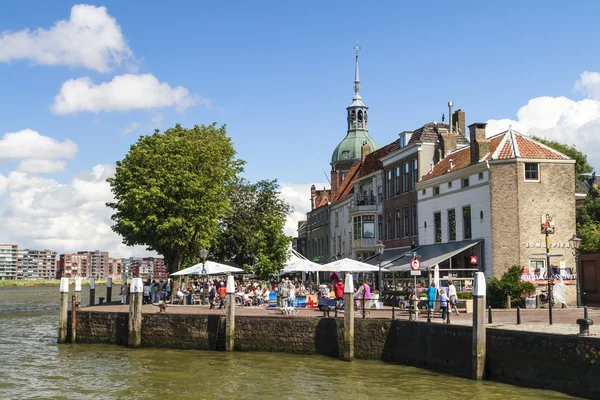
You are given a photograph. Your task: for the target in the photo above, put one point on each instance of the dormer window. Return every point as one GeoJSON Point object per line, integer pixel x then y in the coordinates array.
{"type": "Point", "coordinates": [346, 154]}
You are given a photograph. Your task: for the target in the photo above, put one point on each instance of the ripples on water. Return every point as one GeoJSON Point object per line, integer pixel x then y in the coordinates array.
{"type": "Point", "coordinates": [33, 366]}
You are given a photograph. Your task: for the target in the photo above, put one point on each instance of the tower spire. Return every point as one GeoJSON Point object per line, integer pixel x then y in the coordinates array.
{"type": "Point", "coordinates": [356, 78]}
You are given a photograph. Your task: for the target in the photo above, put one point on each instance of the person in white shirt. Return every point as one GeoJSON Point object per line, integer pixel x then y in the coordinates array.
{"type": "Point", "coordinates": [452, 296]}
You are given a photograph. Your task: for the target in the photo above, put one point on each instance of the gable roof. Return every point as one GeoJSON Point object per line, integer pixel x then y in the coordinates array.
{"type": "Point", "coordinates": [429, 133]}
{"type": "Point", "coordinates": [503, 146]}
{"type": "Point", "coordinates": [373, 162]}
{"type": "Point", "coordinates": [346, 186]}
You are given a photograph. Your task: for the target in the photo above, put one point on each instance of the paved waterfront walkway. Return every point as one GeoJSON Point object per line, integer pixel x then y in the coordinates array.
{"type": "Point", "coordinates": [531, 320]}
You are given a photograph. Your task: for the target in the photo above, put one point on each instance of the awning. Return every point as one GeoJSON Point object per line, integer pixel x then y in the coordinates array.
{"type": "Point", "coordinates": [389, 256]}
{"type": "Point", "coordinates": [432, 254]}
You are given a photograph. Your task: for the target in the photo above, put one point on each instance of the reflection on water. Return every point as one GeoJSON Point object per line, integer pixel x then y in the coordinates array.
{"type": "Point", "coordinates": [33, 366]}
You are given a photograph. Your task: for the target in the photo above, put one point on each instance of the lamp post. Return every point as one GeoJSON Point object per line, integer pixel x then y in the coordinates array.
{"type": "Point", "coordinates": [203, 256]}
{"type": "Point", "coordinates": [575, 242]}
{"type": "Point", "coordinates": [379, 248]}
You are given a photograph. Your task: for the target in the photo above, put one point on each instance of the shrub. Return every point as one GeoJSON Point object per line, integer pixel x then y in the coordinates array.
{"type": "Point", "coordinates": [464, 295]}
{"type": "Point", "coordinates": [509, 285]}
{"type": "Point", "coordinates": [396, 293]}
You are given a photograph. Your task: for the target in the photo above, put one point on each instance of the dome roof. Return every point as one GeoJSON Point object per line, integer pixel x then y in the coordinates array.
{"type": "Point", "coordinates": [349, 148]}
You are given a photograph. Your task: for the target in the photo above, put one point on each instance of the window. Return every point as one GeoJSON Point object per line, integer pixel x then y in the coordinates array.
{"type": "Point", "coordinates": [451, 224]}
{"type": "Point", "coordinates": [388, 185]}
{"type": "Point", "coordinates": [406, 223]}
{"type": "Point", "coordinates": [334, 247]}
{"type": "Point", "coordinates": [481, 176]}
{"type": "Point", "coordinates": [424, 192]}
{"type": "Point", "coordinates": [532, 172]}
{"type": "Point", "coordinates": [380, 225]}
{"type": "Point", "coordinates": [405, 179]}
{"type": "Point", "coordinates": [380, 193]}
{"type": "Point", "coordinates": [345, 154]}
{"type": "Point", "coordinates": [415, 173]}
{"type": "Point", "coordinates": [337, 221]}
{"type": "Point", "coordinates": [397, 224]}
{"type": "Point", "coordinates": [450, 185]}
{"type": "Point", "coordinates": [415, 222]}
{"type": "Point", "coordinates": [536, 267]}
{"type": "Point", "coordinates": [397, 181]}
{"type": "Point", "coordinates": [357, 228]}
{"type": "Point", "coordinates": [436, 190]}
{"type": "Point", "coordinates": [466, 222]}
{"type": "Point", "coordinates": [465, 182]}
{"type": "Point", "coordinates": [437, 222]}
{"type": "Point", "coordinates": [389, 226]}
{"type": "Point", "coordinates": [368, 226]}
{"type": "Point", "coordinates": [340, 245]}
{"type": "Point", "coordinates": [402, 140]}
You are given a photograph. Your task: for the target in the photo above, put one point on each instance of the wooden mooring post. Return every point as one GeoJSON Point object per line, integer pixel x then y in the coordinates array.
{"type": "Point", "coordinates": [64, 310]}
{"type": "Point", "coordinates": [136, 292]}
{"type": "Point", "coordinates": [479, 349]}
{"type": "Point", "coordinates": [230, 317]}
{"type": "Point", "coordinates": [348, 350]}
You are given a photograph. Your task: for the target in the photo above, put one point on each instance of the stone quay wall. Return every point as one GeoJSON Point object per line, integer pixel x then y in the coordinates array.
{"type": "Point", "coordinates": [568, 364]}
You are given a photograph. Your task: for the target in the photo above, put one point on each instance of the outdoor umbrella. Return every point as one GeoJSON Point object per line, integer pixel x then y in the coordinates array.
{"type": "Point", "coordinates": [348, 265]}
{"type": "Point", "coordinates": [300, 265]}
{"type": "Point", "coordinates": [211, 267]}
{"type": "Point", "coordinates": [436, 276]}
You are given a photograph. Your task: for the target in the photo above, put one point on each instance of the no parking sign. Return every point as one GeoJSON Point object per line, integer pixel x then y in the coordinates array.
{"type": "Point", "coordinates": [415, 266]}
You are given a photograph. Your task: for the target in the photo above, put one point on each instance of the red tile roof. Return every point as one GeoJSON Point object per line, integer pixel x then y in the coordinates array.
{"type": "Point", "coordinates": [373, 162]}
{"type": "Point", "coordinates": [346, 186]}
{"type": "Point", "coordinates": [506, 145]}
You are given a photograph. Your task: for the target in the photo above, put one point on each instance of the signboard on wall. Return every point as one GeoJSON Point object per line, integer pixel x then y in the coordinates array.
{"type": "Point", "coordinates": [547, 223]}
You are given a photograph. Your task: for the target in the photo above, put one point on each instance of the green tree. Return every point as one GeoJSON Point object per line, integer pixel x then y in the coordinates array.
{"type": "Point", "coordinates": [590, 236]}
{"type": "Point", "coordinates": [581, 163]}
{"type": "Point", "coordinates": [588, 221]}
{"type": "Point", "coordinates": [509, 285]}
{"type": "Point", "coordinates": [170, 190]}
{"type": "Point", "coordinates": [251, 233]}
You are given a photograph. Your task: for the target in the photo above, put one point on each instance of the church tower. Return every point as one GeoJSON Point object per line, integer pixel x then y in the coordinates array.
{"type": "Point", "coordinates": [348, 151]}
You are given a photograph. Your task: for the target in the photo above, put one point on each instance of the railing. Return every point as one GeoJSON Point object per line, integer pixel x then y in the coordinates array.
{"type": "Point", "coordinates": [365, 201]}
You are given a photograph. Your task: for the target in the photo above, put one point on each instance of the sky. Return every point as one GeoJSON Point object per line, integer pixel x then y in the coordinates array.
{"type": "Point", "coordinates": [81, 82]}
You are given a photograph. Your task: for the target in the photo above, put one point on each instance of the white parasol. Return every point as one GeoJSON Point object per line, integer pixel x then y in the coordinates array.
{"type": "Point", "coordinates": [348, 265]}
{"type": "Point", "coordinates": [211, 267]}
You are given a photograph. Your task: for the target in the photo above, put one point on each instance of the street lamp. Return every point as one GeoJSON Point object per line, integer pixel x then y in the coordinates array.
{"type": "Point", "coordinates": [575, 242]}
{"type": "Point", "coordinates": [203, 256]}
{"type": "Point", "coordinates": [379, 248]}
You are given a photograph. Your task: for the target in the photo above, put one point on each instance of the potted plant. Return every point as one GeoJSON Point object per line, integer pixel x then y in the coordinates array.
{"type": "Point", "coordinates": [467, 298]}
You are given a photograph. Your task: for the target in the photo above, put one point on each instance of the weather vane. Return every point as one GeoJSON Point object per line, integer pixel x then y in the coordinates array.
{"type": "Point", "coordinates": [357, 47]}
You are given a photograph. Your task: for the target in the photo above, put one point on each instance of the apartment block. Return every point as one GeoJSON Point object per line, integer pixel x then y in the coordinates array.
{"type": "Point", "coordinates": [9, 261]}
{"type": "Point", "coordinates": [36, 264]}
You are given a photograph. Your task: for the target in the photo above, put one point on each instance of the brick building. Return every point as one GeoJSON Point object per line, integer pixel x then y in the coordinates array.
{"type": "Point", "coordinates": [74, 265]}
{"type": "Point", "coordinates": [490, 199]}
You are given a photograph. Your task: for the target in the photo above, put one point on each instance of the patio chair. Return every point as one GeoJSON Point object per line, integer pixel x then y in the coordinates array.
{"type": "Point", "coordinates": [196, 299]}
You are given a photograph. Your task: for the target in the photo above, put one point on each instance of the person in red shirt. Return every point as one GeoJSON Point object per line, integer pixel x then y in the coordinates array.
{"type": "Point", "coordinates": [339, 292]}
{"type": "Point", "coordinates": [222, 292]}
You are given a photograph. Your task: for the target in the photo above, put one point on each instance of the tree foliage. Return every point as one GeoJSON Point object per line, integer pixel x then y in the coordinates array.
{"type": "Point", "coordinates": [588, 221]}
{"type": "Point", "coordinates": [509, 285]}
{"type": "Point", "coordinates": [171, 189]}
{"type": "Point", "coordinates": [251, 233]}
{"type": "Point", "coordinates": [581, 163]}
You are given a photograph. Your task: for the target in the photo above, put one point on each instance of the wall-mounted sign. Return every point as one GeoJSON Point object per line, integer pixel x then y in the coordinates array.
{"type": "Point", "coordinates": [473, 260]}
{"type": "Point", "coordinates": [542, 245]}
{"type": "Point", "coordinates": [547, 223]}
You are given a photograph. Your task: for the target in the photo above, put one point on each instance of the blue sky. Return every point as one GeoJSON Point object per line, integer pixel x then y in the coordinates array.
{"type": "Point", "coordinates": [280, 75]}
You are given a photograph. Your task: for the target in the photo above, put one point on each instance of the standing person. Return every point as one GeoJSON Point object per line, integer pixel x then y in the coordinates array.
{"type": "Point", "coordinates": [284, 294]}
{"type": "Point", "coordinates": [169, 288]}
{"type": "Point", "coordinates": [444, 304]}
{"type": "Point", "coordinates": [146, 299]}
{"type": "Point", "coordinates": [124, 293]}
{"type": "Point", "coordinates": [431, 295]}
{"type": "Point", "coordinates": [292, 297]}
{"type": "Point", "coordinates": [339, 292]}
{"type": "Point", "coordinates": [222, 292]}
{"type": "Point", "coordinates": [367, 294]}
{"type": "Point", "coordinates": [452, 296]}
{"type": "Point", "coordinates": [279, 287]}
{"type": "Point", "coordinates": [211, 295]}
{"type": "Point", "coordinates": [153, 291]}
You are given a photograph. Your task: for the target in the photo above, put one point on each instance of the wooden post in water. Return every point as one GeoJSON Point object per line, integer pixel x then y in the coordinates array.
{"type": "Point", "coordinates": [135, 312]}
{"type": "Point", "coordinates": [478, 349]}
{"type": "Point", "coordinates": [78, 290]}
{"type": "Point", "coordinates": [109, 290]}
{"type": "Point", "coordinates": [73, 319]}
{"type": "Point", "coordinates": [64, 310]}
{"type": "Point", "coordinates": [92, 291]}
{"type": "Point", "coordinates": [230, 317]}
{"type": "Point", "coordinates": [348, 350]}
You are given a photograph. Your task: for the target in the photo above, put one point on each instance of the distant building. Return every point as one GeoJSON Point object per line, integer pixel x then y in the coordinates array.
{"type": "Point", "coordinates": [159, 269]}
{"type": "Point", "coordinates": [37, 264]}
{"type": "Point", "coordinates": [115, 268]}
{"type": "Point", "coordinates": [98, 263]}
{"type": "Point", "coordinates": [9, 261]}
{"type": "Point", "coordinates": [74, 265]}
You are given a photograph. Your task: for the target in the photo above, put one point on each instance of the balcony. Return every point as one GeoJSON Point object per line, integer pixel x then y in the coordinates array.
{"type": "Point", "coordinates": [362, 204]}
{"type": "Point", "coordinates": [363, 244]}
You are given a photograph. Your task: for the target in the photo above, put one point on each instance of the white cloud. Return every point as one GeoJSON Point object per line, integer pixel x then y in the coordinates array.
{"type": "Point", "coordinates": [90, 38]}
{"type": "Point", "coordinates": [28, 144]}
{"type": "Point", "coordinates": [41, 166]}
{"type": "Point", "coordinates": [131, 128]}
{"type": "Point", "coordinates": [298, 196]}
{"type": "Point", "coordinates": [123, 93]}
{"type": "Point", "coordinates": [573, 122]}
{"type": "Point", "coordinates": [41, 213]}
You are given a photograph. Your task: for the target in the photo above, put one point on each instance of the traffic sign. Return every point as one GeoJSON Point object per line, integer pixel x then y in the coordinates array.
{"type": "Point", "coordinates": [415, 264]}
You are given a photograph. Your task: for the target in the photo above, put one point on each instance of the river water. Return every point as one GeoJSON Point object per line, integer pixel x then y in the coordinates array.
{"type": "Point", "coordinates": [33, 366]}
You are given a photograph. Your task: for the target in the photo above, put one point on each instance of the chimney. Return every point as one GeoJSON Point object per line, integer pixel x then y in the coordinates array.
{"type": "Point", "coordinates": [335, 175]}
{"type": "Point", "coordinates": [458, 119]}
{"type": "Point", "coordinates": [480, 146]}
{"type": "Point", "coordinates": [447, 142]}
{"type": "Point", "coordinates": [451, 165]}
{"type": "Point", "coordinates": [313, 196]}
{"type": "Point", "coordinates": [364, 151]}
